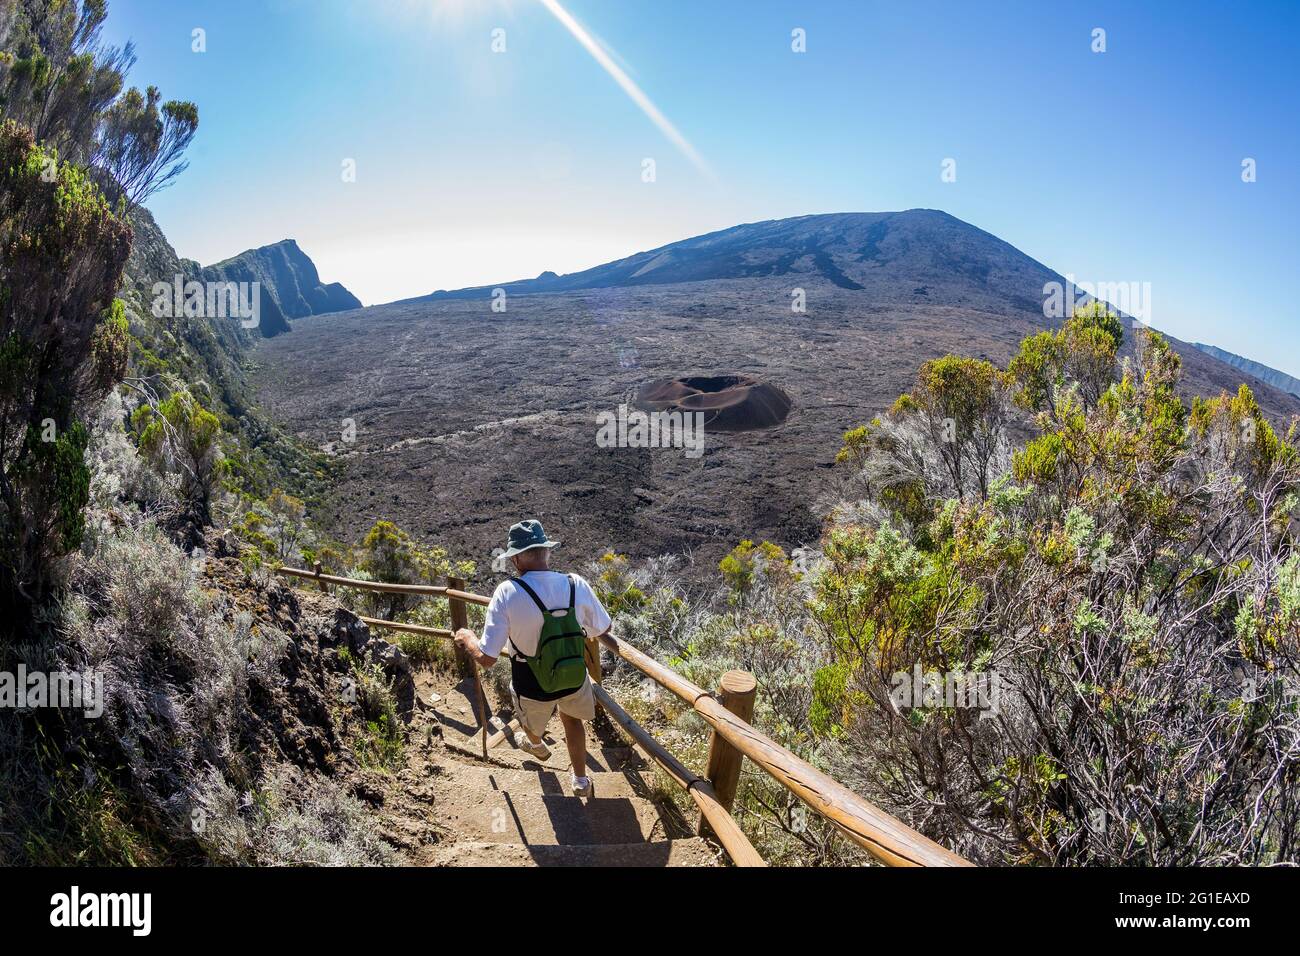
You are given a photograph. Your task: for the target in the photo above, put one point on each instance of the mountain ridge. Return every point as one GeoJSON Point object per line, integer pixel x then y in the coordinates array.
{"type": "Point", "coordinates": [290, 283]}
{"type": "Point", "coordinates": [901, 253]}
{"type": "Point", "coordinates": [1265, 373]}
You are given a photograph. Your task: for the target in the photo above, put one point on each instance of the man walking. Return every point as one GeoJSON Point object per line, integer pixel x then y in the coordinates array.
{"type": "Point", "coordinates": [542, 619]}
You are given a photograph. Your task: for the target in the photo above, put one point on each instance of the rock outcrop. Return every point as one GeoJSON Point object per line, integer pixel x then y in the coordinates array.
{"type": "Point", "coordinates": [291, 286]}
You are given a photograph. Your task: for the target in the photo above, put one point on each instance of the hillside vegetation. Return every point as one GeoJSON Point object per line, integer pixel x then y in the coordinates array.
{"type": "Point", "coordinates": [1127, 576]}
{"type": "Point", "coordinates": [236, 716]}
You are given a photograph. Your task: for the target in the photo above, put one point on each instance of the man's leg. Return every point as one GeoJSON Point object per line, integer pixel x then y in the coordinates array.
{"type": "Point", "coordinates": [531, 714]}
{"type": "Point", "coordinates": [575, 738]}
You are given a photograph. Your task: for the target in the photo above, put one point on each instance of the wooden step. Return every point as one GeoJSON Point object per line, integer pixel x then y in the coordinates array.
{"type": "Point", "coordinates": [479, 778]}
{"type": "Point", "coordinates": [498, 816]}
{"type": "Point", "coordinates": [688, 852]}
{"type": "Point", "coordinates": [600, 758]}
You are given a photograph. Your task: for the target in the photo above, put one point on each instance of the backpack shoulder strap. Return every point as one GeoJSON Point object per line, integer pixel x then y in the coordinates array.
{"type": "Point", "coordinates": [573, 591]}
{"type": "Point", "coordinates": [532, 594]}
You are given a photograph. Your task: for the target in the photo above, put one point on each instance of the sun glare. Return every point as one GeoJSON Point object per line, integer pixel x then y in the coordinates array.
{"type": "Point", "coordinates": [626, 83]}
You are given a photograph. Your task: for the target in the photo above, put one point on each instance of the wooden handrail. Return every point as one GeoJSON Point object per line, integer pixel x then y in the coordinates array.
{"type": "Point", "coordinates": [433, 590]}
{"type": "Point", "coordinates": [724, 826]}
{"type": "Point", "coordinates": [886, 838]}
{"type": "Point", "coordinates": [411, 628]}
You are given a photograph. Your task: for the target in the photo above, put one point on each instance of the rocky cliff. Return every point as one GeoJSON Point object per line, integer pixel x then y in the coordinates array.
{"type": "Point", "coordinates": [291, 286]}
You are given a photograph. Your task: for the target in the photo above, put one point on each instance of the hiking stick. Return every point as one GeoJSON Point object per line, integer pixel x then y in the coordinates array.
{"type": "Point", "coordinates": [482, 709]}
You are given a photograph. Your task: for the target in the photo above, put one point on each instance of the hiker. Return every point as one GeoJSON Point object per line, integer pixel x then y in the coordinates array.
{"type": "Point", "coordinates": [542, 619]}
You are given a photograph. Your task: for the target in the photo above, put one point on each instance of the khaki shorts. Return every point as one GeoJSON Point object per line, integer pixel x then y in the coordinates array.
{"type": "Point", "coordinates": [534, 715]}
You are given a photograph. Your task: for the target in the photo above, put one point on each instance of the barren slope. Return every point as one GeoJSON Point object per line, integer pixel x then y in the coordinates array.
{"type": "Point", "coordinates": [467, 420]}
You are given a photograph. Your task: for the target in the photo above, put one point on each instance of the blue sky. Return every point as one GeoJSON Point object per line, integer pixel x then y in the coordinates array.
{"type": "Point", "coordinates": [475, 167]}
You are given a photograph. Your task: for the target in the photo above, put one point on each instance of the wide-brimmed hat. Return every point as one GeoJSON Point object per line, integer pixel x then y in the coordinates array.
{"type": "Point", "coordinates": [525, 536]}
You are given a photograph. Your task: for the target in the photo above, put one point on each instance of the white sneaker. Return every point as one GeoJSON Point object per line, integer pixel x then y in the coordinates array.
{"type": "Point", "coordinates": [538, 750]}
{"type": "Point", "coordinates": [582, 786]}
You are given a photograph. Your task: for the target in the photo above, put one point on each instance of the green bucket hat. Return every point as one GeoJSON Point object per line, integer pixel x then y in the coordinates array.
{"type": "Point", "coordinates": [525, 536]}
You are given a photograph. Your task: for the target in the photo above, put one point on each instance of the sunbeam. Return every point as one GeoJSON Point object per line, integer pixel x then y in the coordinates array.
{"type": "Point", "coordinates": [637, 95]}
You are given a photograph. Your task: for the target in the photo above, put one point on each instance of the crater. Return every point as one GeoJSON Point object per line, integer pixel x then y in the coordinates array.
{"type": "Point", "coordinates": [730, 403]}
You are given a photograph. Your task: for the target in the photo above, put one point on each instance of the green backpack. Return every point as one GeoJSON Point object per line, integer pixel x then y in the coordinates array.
{"type": "Point", "coordinates": [560, 664]}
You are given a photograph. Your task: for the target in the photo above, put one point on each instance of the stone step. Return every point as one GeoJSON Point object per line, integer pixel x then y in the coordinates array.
{"type": "Point", "coordinates": [499, 816]}
{"type": "Point", "coordinates": [687, 852]}
{"type": "Point", "coordinates": [456, 713]}
{"type": "Point", "coordinates": [479, 778]}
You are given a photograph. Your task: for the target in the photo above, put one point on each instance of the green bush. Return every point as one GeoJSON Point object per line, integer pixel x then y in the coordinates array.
{"type": "Point", "coordinates": [62, 251]}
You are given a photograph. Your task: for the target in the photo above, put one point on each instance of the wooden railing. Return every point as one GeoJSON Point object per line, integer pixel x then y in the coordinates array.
{"type": "Point", "coordinates": [727, 713]}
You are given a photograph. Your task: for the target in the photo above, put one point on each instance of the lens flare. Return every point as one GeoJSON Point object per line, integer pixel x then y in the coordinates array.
{"type": "Point", "coordinates": [634, 92]}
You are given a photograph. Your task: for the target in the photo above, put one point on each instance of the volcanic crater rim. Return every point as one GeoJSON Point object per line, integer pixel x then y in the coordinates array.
{"type": "Point", "coordinates": [729, 402]}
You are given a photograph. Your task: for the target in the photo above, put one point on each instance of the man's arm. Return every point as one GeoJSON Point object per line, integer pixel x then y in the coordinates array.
{"type": "Point", "coordinates": [496, 631]}
{"type": "Point", "coordinates": [468, 640]}
{"type": "Point", "coordinates": [595, 620]}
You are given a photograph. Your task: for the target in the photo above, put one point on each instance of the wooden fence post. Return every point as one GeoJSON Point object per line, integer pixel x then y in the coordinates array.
{"type": "Point", "coordinates": [459, 619]}
{"type": "Point", "coordinates": [736, 692]}
{"type": "Point", "coordinates": [319, 583]}
{"type": "Point", "coordinates": [464, 663]}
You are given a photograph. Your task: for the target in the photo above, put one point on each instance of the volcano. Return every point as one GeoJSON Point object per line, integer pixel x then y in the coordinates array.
{"type": "Point", "coordinates": [730, 403]}
{"type": "Point", "coordinates": [467, 415]}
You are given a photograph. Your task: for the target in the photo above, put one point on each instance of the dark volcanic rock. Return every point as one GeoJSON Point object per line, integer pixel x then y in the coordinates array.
{"type": "Point", "coordinates": [468, 420]}
{"type": "Point", "coordinates": [302, 711]}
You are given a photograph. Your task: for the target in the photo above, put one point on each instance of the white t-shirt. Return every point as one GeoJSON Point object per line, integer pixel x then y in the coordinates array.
{"type": "Point", "coordinates": [513, 614]}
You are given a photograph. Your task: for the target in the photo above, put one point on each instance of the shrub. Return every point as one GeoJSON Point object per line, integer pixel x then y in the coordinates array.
{"type": "Point", "coordinates": [378, 741]}
{"type": "Point", "coordinates": [276, 528]}
{"type": "Point", "coordinates": [1133, 598]}
{"type": "Point", "coordinates": [179, 436]}
{"type": "Point", "coordinates": [285, 821]}
{"type": "Point", "coordinates": [387, 553]}
{"type": "Point", "coordinates": [62, 251]}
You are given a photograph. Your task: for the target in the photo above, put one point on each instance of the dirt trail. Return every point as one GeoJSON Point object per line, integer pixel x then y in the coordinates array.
{"type": "Point", "coordinates": [449, 807]}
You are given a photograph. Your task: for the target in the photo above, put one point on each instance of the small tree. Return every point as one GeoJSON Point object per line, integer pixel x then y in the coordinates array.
{"type": "Point", "coordinates": [961, 406]}
{"type": "Point", "coordinates": [140, 143]}
{"type": "Point", "coordinates": [288, 523]}
{"type": "Point", "coordinates": [1082, 354]}
{"type": "Point", "coordinates": [179, 436]}
{"type": "Point", "coordinates": [59, 80]}
{"type": "Point", "coordinates": [390, 554]}
{"type": "Point", "coordinates": [62, 344]}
